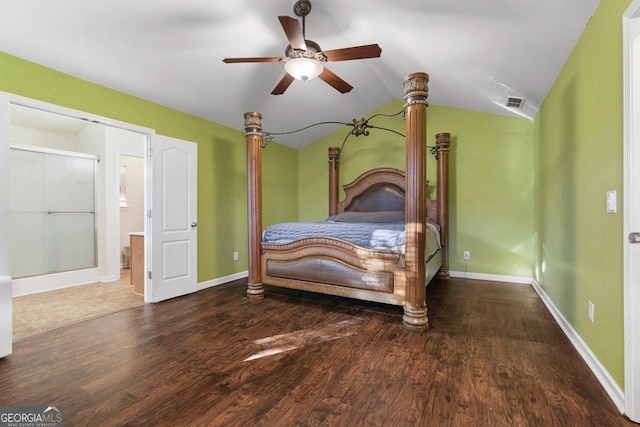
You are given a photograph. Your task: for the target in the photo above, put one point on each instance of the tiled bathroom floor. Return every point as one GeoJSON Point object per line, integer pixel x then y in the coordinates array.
{"type": "Point", "coordinates": [48, 310]}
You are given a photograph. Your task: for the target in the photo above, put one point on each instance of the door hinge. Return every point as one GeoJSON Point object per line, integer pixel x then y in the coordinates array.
{"type": "Point", "coordinates": [634, 237]}
{"type": "Point", "coordinates": [149, 213]}
{"type": "Point", "coordinates": [149, 275]}
{"type": "Point", "coordinates": [150, 151]}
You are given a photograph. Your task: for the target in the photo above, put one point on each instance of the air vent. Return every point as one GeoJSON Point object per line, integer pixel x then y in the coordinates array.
{"type": "Point", "coordinates": [515, 102]}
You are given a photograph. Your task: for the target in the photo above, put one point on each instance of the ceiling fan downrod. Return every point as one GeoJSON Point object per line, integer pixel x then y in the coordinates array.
{"type": "Point", "coordinates": [302, 8]}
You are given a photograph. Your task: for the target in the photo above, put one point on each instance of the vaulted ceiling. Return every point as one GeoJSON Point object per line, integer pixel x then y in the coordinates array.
{"type": "Point", "coordinates": [477, 53]}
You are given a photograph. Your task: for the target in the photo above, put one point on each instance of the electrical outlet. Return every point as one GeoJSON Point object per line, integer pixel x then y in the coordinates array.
{"type": "Point", "coordinates": [236, 256]}
{"type": "Point", "coordinates": [467, 254]}
{"type": "Point", "coordinates": [592, 308]}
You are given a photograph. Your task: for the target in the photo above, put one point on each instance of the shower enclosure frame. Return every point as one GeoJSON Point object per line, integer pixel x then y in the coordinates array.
{"type": "Point", "coordinates": [70, 154]}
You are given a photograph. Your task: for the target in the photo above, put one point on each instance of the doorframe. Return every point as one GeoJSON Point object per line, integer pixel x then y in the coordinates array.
{"type": "Point", "coordinates": [93, 118]}
{"type": "Point", "coordinates": [631, 201]}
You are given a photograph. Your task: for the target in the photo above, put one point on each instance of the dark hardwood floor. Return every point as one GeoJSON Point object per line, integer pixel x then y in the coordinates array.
{"type": "Point", "coordinates": [493, 356]}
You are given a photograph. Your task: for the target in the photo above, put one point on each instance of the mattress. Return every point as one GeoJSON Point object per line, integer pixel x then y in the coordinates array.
{"type": "Point", "coordinates": [380, 236]}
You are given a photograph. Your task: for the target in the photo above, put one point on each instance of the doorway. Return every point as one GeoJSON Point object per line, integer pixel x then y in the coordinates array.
{"type": "Point", "coordinates": [43, 130]}
{"type": "Point", "coordinates": [76, 275]}
{"type": "Point", "coordinates": [170, 192]}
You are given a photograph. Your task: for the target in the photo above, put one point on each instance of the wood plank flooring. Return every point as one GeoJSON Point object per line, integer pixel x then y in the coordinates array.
{"type": "Point", "coordinates": [494, 356]}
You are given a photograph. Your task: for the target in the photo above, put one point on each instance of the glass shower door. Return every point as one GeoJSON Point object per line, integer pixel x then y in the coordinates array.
{"type": "Point", "coordinates": [52, 211]}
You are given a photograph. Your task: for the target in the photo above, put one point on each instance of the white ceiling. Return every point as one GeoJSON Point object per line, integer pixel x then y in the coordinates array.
{"type": "Point", "coordinates": [476, 52]}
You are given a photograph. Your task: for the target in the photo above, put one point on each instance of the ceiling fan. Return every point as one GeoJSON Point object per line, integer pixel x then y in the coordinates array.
{"type": "Point", "coordinates": [304, 60]}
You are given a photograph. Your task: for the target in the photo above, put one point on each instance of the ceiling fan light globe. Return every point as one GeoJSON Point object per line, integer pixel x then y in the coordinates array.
{"type": "Point", "coordinates": [303, 68]}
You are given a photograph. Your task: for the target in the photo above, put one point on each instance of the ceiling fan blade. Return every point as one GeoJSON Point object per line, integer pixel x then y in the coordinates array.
{"type": "Point", "coordinates": [292, 29]}
{"type": "Point", "coordinates": [283, 84]}
{"type": "Point", "coordinates": [237, 60]}
{"type": "Point", "coordinates": [356, 52]}
{"type": "Point", "coordinates": [335, 81]}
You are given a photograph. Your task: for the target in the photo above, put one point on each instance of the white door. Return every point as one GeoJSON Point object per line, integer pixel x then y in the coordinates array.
{"type": "Point", "coordinates": [173, 220]}
{"type": "Point", "coordinates": [631, 55]}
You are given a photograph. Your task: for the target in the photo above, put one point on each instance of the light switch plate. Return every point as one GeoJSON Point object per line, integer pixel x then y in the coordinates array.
{"type": "Point", "coordinates": [612, 204]}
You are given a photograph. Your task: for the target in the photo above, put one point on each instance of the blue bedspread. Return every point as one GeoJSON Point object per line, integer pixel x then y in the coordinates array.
{"type": "Point", "coordinates": [389, 236]}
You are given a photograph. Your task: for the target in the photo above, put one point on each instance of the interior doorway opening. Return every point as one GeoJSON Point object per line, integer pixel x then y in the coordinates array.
{"type": "Point", "coordinates": [36, 129]}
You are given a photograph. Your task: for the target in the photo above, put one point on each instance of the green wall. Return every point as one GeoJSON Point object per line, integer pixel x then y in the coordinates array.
{"type": "Point", "coordinates": [491, 181]}
{"type": "Point", "coordinates": [280, 184]}
{"type": "Point", "coordinates": [222, 217]}
{"type": "Point", "coordinates": [527, 199]}
{"type": "Point", "coordinates": [579, 154]}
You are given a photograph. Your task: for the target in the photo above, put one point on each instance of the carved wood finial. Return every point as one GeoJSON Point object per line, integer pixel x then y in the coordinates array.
{"type": "Point", "coordinates": [253, 123]}
{"type": "Point", "coordinates": [443, 140]}
{"type": "Point", "coordinates": [416, 88]}
{"type": "Point", "coordinates": [334, 154]}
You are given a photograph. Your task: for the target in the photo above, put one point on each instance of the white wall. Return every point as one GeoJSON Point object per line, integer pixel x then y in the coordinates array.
{"type": "Point", "coordinates": [42, 138]}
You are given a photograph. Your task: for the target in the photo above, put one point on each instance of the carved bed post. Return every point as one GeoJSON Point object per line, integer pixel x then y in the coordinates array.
{"type": "Point", "coordinates": [253, 133]}
{"type": "Point", "coordinates": [442, 196]}
{"type": "Point", "coordinates": [334, 177]}
{"type": "Point", "coordinates": [416, 91]}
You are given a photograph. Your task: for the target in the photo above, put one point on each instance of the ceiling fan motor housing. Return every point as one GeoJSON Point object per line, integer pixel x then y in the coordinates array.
{"type": "Point", "coordinates": [313, 51]}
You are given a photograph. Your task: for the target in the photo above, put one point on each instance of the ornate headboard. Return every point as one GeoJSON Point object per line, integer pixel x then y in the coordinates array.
{"type": "Point", "coordinates": [380, 189]}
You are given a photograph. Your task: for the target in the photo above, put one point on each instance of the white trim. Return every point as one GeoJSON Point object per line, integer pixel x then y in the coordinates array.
{"type": "Point", "coordinates": [50, 282]}
{"type": "Point", "coordinates": [54, 151]}
{"type": "Point", "coordinates": [107, 279]}
{"type": "Point", "coordinates": [223, 280]}
{"type": "Point", "coordinates": [631, 164]}
{"type": "Point", "coordinates": [492, 277]}
{"type": "Point", "coordinates": [606, 380]}
{"type": "Point", "coordinates": [70, 112]}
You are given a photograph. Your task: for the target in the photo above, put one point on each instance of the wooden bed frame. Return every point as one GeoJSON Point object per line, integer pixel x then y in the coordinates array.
{"type": "Point", "coordinates": [337, 267]}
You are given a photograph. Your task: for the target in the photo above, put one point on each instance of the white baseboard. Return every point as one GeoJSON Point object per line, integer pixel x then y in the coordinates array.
{"type": "Point", "coordinates": [492, 277]}
{"type": "Point", "coordinates": [106, 279]}
{"type": "Point", "coordinates": [611, 387]}
{"type": "Point", "coordinates": [50, 282]}
{"type": "Point", "coordinates": [222, 280]}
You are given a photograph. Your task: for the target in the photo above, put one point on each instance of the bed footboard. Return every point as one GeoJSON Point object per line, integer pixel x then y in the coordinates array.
{"type": "Point", "coordinates": [337, 267]}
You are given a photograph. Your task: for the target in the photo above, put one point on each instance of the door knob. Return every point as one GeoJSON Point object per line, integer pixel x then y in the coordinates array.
{"type": "Point", "coordinates": [194, 224]}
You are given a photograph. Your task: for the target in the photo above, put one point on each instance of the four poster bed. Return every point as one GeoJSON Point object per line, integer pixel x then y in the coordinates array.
{"type": "Point", "coordinates": [396, 238]}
